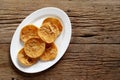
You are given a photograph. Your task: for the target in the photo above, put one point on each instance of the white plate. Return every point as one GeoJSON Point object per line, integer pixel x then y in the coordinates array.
{"type": "Point", "coordinates": [36, 18]}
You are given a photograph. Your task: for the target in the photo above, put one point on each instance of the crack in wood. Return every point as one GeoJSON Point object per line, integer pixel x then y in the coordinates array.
{"type": "Point", "coordinates": [88, 35]}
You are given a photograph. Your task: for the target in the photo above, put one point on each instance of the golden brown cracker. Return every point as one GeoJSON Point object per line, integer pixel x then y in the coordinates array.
{"type": "Point", "coordinates": [28, 31]}
{"type": "Point", "coordinates": [48, 32]}
{"type": "Point", "coordinates": [54, 21]}
{"type": "Point", "coordinates": [34, 47]}
{"type": "Point", "coordinates": [24, 59]}
{"type": "Point", "coordinates": [50, 52]}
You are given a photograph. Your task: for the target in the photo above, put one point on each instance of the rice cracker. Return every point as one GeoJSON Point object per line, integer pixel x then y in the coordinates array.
{"type": "Point", "coordinates": [34, 47]}
{"type": "Point", "coordinates": [54, 21]}
{"type": "Point", "coordinates": [48, 32]}
{"type": "Point", "coordinates": [50, 52]}
{"type": "Point", "coordinates": [24, 59]}
{"type": "Point", "coordinates": [28, 31]}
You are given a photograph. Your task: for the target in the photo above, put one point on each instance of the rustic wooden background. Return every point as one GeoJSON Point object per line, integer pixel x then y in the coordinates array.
{"type": "Point", "coordinates": [94, 51]}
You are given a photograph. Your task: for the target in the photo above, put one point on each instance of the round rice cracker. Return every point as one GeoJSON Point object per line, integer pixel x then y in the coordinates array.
{"type": "Point", "coordinates": [24, 59]}
{"type": "Point", "coordinates": [34, 47]}
{"type": "Point", "coordinates": [28, 31]}
{"type": "Point", "coordinates": [55, 22]}
{"type": "Point", "coordinates": [50, 52]}
{"type": "Point", "coordinates": [48, 32]}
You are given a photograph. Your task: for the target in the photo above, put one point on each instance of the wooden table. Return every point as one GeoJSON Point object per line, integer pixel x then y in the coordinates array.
{"type": "Point", "coordinates": [94, 50]}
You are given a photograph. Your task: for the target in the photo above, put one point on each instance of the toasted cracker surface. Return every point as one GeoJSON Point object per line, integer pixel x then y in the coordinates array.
{"type": "Point", "coordinates": [24, 59]}
{"type": "Point", "coordinates": [34, 47]}
{"type": "Point", "coordinates": [28, 31]}
{"type": "Point", "coordinates": [50, 52]}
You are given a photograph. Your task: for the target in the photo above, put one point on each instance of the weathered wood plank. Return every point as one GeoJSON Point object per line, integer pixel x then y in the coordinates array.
{"type": "Point", "coordinates": [91, 23]}
{"type": "Point", "coordinates": [108, 34]}
{"type": "Point", "coordinates": [80, 35]}
{"type": "Point", "coordinates": [87, 60]}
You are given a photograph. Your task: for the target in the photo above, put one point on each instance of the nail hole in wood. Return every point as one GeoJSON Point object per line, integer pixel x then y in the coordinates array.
{"type": "Point", "coordinates": [106, 8]}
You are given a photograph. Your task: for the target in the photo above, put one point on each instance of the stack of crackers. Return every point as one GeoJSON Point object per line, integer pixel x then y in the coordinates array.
{"type": "Point", "coordinates": [39, 42]}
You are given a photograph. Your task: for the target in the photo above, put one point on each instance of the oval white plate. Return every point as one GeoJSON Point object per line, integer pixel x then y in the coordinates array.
{"type": "Point", "coordinates": [61, 42]}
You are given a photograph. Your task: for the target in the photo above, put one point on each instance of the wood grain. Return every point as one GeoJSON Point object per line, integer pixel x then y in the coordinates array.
{"type": "Point", "coordinates": [89, 60]}
{"type": "Point", "coordinates": [94, 50]}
